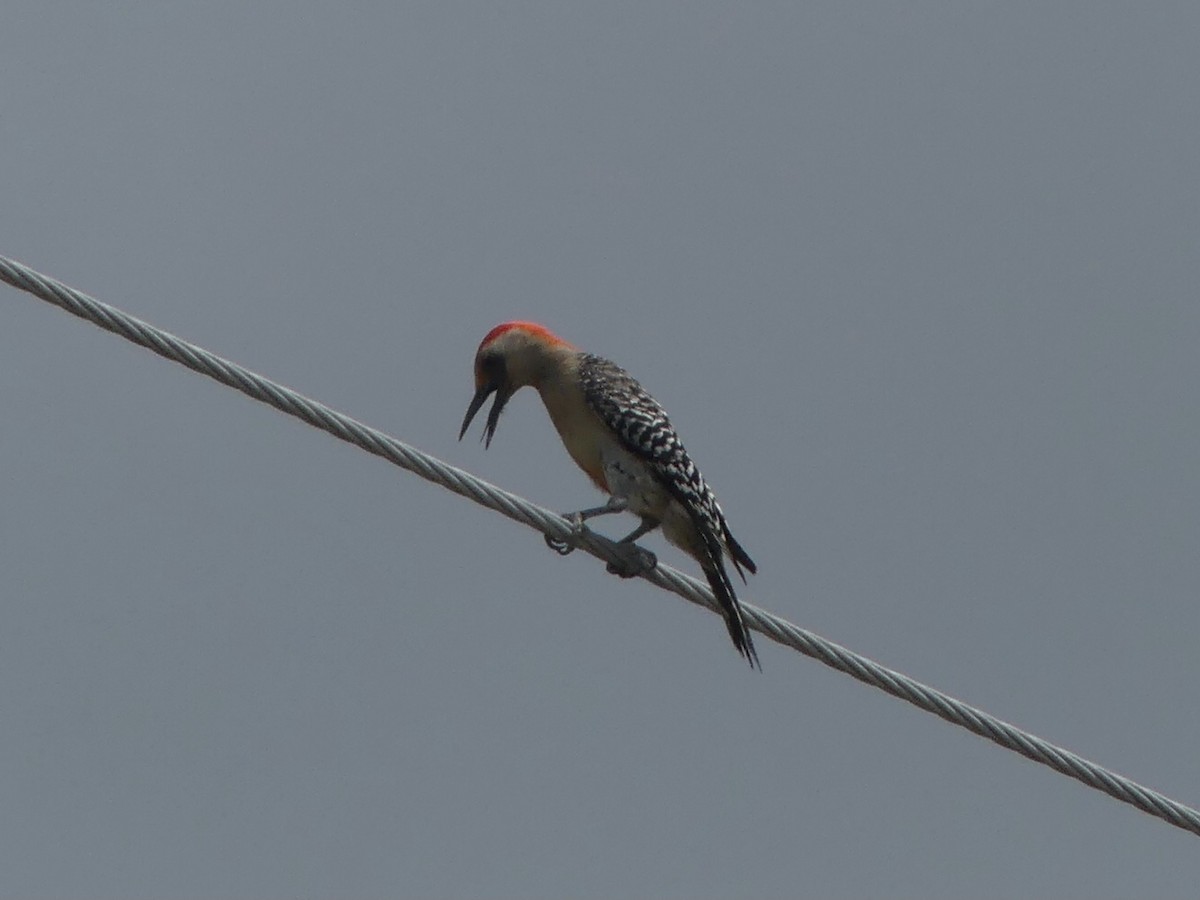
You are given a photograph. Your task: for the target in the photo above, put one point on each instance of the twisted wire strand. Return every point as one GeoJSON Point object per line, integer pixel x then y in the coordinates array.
{"type": "Point", "coordinates": [554, 525]}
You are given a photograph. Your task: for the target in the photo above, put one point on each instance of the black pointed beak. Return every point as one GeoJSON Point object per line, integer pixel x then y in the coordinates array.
{"type": "Point", "coordinates": [481, 394]}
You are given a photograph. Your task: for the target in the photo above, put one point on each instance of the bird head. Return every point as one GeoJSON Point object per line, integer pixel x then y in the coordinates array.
{"type": "Point", "coordinates": [511, 356]}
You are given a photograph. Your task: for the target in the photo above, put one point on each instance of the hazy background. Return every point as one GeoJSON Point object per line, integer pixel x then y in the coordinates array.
{"type": "Point", "coordinates": [917, 283]}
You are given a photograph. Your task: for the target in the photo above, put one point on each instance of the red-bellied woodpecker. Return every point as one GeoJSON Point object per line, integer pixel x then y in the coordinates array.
{"type": "Point", "coordinates": [620, 436]}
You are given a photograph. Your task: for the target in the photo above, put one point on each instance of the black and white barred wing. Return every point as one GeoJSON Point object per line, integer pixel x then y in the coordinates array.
{"type": "Point", "coordinates": [645, 430]}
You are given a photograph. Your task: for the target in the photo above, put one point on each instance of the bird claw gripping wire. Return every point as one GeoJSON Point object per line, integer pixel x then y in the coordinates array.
{"type": "Point", "coordinates": [563, 548]}
{"type": "Point", "coordinates": [634, 561]}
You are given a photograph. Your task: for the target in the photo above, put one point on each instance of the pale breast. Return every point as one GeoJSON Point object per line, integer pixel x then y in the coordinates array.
{"type": "Point", "coordinates": [582, 433]}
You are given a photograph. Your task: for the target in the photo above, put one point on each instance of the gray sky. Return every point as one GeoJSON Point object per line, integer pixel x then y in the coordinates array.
{"type": "Point", "coordinates": [917, 283]}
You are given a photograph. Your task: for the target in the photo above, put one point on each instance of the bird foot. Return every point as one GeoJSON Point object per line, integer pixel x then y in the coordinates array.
{"type": "Point", "coordinates": [635, 561]}
{"type": "Point", "coordinates": [562, 548]}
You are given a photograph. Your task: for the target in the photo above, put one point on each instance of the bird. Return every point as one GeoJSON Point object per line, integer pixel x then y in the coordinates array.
{"type": "Point", "coordinates": [624, 442]}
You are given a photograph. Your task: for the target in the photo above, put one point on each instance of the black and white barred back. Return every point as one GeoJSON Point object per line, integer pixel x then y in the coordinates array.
{"type": "Point", "coordinates": [644, 430]}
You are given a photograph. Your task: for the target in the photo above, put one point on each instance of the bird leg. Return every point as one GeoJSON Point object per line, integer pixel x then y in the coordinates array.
{"type": "Point", "coordinates": [634, 560]}
{"type": "Point", "coordinates": [614, 505]}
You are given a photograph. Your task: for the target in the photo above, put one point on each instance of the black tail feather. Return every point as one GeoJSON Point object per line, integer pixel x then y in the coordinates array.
{"type": "Point", "coordinates": [731, 609]}
{"type": "Point", "coordinates": [741, 559]}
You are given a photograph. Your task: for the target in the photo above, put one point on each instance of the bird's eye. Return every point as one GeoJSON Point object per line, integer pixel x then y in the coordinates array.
{"type": "Point", "coordinates": [493, 368]}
